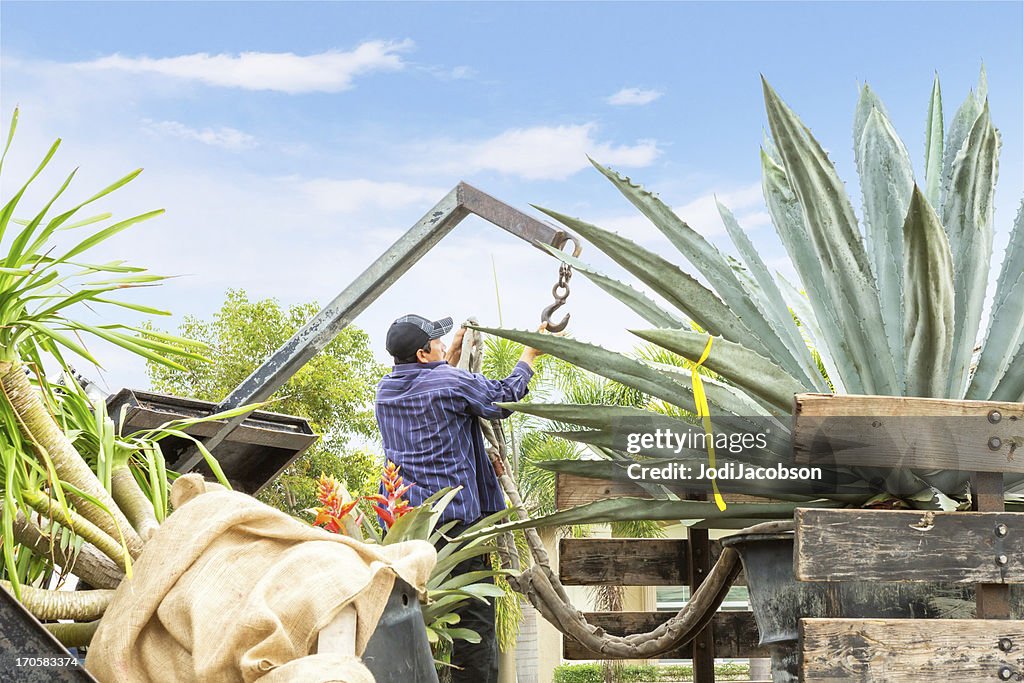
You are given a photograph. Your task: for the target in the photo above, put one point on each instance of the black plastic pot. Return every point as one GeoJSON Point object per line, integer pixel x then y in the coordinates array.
{"type": "Point", "coordinates": [398, 651]}
{"type": "Point", "coordinates": [779, 601]}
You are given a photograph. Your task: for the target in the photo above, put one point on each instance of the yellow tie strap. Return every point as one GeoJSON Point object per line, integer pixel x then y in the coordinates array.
{"type": "Point", "coordinates": [701, 401]}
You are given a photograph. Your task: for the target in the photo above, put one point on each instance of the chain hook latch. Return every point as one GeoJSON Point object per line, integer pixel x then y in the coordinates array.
{"type": "Point", "coordinates": [560, 291]}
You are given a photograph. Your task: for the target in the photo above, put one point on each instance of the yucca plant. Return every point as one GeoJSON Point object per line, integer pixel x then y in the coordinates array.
{"type": "Point", "coordinates": [890, 307]}
{"type": "Point", "coordinates": [76, 493]}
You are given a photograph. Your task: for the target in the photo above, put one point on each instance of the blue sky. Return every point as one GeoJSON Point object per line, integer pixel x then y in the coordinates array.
{"type": "Point", "coordinates": [293, 142]}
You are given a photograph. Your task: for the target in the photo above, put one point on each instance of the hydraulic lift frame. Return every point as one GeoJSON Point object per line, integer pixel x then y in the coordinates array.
{"type": "Point", "coordinates": [462, 201]}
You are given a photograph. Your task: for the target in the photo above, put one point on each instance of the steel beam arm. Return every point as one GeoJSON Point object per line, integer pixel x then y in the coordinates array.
{"type": "Point", "coordinates": [462, 201]}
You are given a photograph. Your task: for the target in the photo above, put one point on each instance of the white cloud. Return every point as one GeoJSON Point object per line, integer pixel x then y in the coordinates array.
{"type": "Point", "coordinates": [634, 97]}
{"type": "Point", "coordinates": [331, 71]}
{"type": "Point", "coordinates": [701, 214]}
{"type": "Point", "coordinates": [348, 196]}
{"type": "Point", "coordinates": [539, 152]}
{"type": "Point", "coordinates": [228, 138]}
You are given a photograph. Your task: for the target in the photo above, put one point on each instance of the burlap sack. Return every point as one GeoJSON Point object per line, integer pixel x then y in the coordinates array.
{"type": "Point", "coordinates": [230, 589]}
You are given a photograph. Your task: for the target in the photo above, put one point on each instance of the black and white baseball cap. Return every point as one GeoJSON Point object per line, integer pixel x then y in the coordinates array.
{"type": "Point", "coordinates": [412, 332]}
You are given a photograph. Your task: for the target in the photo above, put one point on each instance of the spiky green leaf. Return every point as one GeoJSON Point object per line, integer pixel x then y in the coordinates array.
{"type": "Point", "coordinates": [968, 220]}
{"type": "Point", "coordinates": [928, 324]}
{"type": "Point", "coordinates": [639, 302]}
{"type": "Point", "coordinates": [677, 287]}
{"type": "Point", "coordinates": [886, 179]}
{"type": "Point", "coordinates": [741, 366]}
{"type": "Point", "coordinates": [830, 220]}
{"type": "Point", "coordinates": [777, 313]}
{"type": "Point", "coordinates": [933, 134]}
{"type": "Point", "coordinates": [707, 259]}
{"type": "Point", "coordinates": [1005, 334]}
{"type": "Point", "coordinates": [787, 216]}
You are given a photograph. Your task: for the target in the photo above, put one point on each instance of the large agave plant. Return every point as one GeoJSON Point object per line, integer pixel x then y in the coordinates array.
{"type": "Point", "coordinates": [890, 306]}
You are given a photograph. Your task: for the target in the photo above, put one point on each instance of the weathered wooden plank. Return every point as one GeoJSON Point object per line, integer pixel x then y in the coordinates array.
{"type": "Point", "coordinates": [896, 545]}
{"type": "Point", "coordinates": [628, 561]}
{"type": "Point", "coordinates": [623, 561]}
{"type": "Point", "coordinates": [572, 490]}
{"type": "Point", "coordinates": [735, 633]}
{"type": "Point", "coordinates": [902, 432]}
{"type": "Point", "coordinates": [910, 650]}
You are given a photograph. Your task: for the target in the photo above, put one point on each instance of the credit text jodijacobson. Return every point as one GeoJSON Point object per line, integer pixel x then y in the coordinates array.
{"type": "Point", "coordinates": [725, 472]}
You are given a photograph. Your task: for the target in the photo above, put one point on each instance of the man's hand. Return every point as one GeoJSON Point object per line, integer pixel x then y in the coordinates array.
{"type": "Point", "coordinates": [531, 354]}
{"type": "Point", "coordinates": [454, 354]}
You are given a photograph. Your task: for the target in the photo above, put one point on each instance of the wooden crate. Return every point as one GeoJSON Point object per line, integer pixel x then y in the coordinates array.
{"type": "Point", "coordinates": [984, 547]}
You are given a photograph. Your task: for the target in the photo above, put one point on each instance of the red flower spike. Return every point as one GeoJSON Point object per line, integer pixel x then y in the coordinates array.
{"type": "Point", "coordinates": [333, 509]}
{"type": "Point", "coordinates": [390, 507]}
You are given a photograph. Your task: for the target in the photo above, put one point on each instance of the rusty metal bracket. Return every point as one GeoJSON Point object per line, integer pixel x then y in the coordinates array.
{"type": "Point", "coordinates": [460, 202]}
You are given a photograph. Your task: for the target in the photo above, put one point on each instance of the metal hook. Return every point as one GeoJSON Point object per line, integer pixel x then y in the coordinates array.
{"type": "Point", "coordinates": [561, 289]}
{"type": "Point", "coordinates": [545, 317]}
{"type": "Point", "coordinates": [560, 292]}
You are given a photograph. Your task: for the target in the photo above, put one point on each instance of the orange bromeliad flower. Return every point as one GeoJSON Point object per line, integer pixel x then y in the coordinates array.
{"type": "Point", "coordinates": [391, 506]}
{"type": "Point", "coordinates": [333, 506]}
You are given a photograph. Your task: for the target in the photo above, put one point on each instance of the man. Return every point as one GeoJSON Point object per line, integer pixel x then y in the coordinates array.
{"type": "Point", "coordinates": [427, 411]}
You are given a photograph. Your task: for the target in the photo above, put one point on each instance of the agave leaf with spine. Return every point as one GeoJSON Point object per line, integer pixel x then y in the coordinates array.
{"type": "Point", "coordinates": [746, 369]}
{"type": "Point", "coordinates": [639, 302]}
{"type": "Point", "coordinates": [957, 133]}
{"type": "Point", "coordinates": [928, 274]}
{"type": "Point", "coordinates": [967, 214]}
{"type": "Point", "coordinates": [681, 290]}
{"type": "Point", "coordinates": [833, 227]}
{"type": "Point", "coordinates": [787, 217]}
{"type": "Point", "coordinates": [778, 314]}
{"type": "Point", "coordinates": [708, 261]}
{"type": "Point", "coordinates": [1005, 336]}
{"type": "Point", "coordinates": [933, 146]}
{"type": "Point", "coordinates": [886, 189]}
{"type": "Point", "coordinates": [610, 364]}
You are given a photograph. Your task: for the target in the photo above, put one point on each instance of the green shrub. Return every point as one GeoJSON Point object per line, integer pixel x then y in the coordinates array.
{"type": "Point", "coordinates": [649, 673]}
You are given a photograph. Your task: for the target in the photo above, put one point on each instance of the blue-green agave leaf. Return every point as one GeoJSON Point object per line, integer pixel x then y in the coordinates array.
{"type": "Point", "coordinates": [707, 259]}
{"type": "Point", "coordinates": [830, 220]}
{"type": "Point", "coordinates": [933, 133]}
{"type": "Point", "coordinates": [968, 220]}
{"type": "Point", "coordinates": [886, 179]}
{"type": "Point", "coordinates": [666, 279]}
{"type": "Point", "coordinates": [787, 216]}
{"type": "Point", "coordinates": [928, 325]}
{"type": "Point", "coordinates": [1011, 386]}
{"type": "Point", "coordinates": [639, 302]}
{"type": "Point", "coordinates": [867, 101]}
{"type": "Point", "coordinates": [1006, 323]}
{"type": "Point", "coordinates": [797, 301]}
{"type": "Point", "coordinates": [741, 366]}
{"type": "Point", "coordinates": [956, 136]}
{"type": "Point", "coordinates": [799, 362]}
{"type": "Point", "coordinates": [610, 364]}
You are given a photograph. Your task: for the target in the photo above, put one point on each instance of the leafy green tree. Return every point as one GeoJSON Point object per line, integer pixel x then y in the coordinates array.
{"type": "Point", "coordinates": [334, 390]}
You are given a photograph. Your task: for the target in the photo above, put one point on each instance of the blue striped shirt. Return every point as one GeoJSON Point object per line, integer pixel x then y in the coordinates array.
{"type": "Point", "coordinates": [427, 413]}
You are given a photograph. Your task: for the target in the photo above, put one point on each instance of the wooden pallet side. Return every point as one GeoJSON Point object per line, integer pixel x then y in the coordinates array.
{"type": "Point", "coordinates": [896, 545]}
{"type": "Point", "coordinates": [911, 650]}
